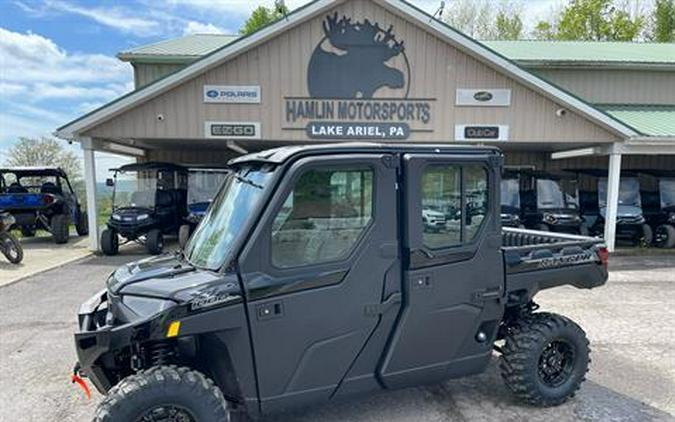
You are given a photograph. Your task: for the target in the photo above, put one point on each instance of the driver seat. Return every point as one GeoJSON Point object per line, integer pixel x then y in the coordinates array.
{"type": "Point", "coordinates": [16, 188]}
{"type": "Point", "coordinates": [49, 187]}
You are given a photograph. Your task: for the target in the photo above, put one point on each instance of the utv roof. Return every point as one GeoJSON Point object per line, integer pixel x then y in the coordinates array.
{"type": "Point", "coordinates": [28, 171]}
{"type": "Point", "coordinates": [151, 165]}
{"type": "Point", "coordinates": [539, 174]}
{"type": "Point", "coordinates": [600, 172]}
{"type": "Point", "coordinates": [655, 172]}
{"type": "Point", "coordinates": [282, 154]}
{"type": "Point", "coordinates": [207, 167]}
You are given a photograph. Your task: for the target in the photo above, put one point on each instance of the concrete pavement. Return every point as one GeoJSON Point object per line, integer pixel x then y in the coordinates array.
{"type": "Point", "coordinates": [629, 321]}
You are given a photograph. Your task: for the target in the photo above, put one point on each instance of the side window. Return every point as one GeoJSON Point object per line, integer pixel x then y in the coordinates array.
{"type": "Point", "coordinates": [454, 204]}
{"type": "Point", "coordinates": [323, 217]}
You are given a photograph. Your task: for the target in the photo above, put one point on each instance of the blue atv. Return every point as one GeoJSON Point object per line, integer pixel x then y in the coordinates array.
{"type": "Point", "coordinates": [41, 198]}
{"type": "Point", "coordinates": [203, 185]}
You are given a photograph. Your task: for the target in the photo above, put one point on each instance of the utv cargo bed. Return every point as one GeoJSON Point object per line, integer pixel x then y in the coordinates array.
{"type": "Point", "coordinates": [536, 260]}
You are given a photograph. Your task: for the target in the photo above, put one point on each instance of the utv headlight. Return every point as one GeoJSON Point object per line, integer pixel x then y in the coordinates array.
{"type": "Point", "coordinates": [116, 217]}
{"type": "Point", "coordinates": [671, 217]}
{"type": "Point", "coordinates": [549, 218]}
{"type": "Point", "coordinates": [142, 217]}
{"type": "Point", "coordinates": [145, 306]}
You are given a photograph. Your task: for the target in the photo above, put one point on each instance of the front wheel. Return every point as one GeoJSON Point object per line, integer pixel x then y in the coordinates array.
{"type": "Point", "coordinates": [154, 242]}
{"type": "Point", "coordinates": [665, 236]}
{"type": "Point", "coordinates": [164, 393]}
{"type": "Point", "coordinates": [543, 227]}
{"type": "Point", "coordinates": [545, 359]}
{"type": "Point", "coordinates": [11, 248]}
{"type": "Point", "coordinates": [647, 236]}
{"type": "Point", "coordinates": [110, 243]}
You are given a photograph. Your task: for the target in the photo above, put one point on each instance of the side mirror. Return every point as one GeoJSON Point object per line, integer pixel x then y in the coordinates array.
{"type": "Point", "coordinates": [109, 182]}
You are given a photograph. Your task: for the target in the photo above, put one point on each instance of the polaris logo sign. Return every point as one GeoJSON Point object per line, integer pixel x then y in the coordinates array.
{"type": "Point", "coordinates": [233, 94]}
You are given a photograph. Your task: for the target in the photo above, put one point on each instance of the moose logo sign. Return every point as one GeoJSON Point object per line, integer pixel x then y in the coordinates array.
{"type": "Point", "coordinates": [358, 79]}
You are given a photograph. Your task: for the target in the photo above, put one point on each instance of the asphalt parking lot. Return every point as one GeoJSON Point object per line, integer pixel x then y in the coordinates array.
{"type": "Point", "coordinates": [631, 324]}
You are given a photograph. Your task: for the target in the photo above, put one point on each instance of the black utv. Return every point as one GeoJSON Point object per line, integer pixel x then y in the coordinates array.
{"type": "Point", "coordinates": [202, 186]}
{"type": "Point", "coordinates": [41, 198]}
{"type": "Point", "coordinates": [510, 200]}
{"type": "Point", "coordinates": [550, 202]}
{"type": "Point", "coordinates": [312, 278]}
{"type": "Point", "coordinates": [659, 206]}
{"type": "Point", "coordinates": [631, 225]}
{"type": "Point", "coordinates": [152, 205]}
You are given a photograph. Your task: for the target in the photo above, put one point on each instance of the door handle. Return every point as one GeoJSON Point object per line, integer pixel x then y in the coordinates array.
{"type": "Point", "coordinates": [271, 310]}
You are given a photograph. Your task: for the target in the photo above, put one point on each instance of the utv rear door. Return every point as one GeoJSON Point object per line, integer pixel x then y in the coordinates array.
{"type": "Point", "coordinates": [319, 266]}
{"type": "Point", "coordinates": [453, 274]}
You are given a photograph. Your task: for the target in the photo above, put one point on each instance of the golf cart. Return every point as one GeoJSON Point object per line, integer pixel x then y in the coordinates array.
{"type": "Point", "coordinates": [549, 202]}
{"type": "Point", "coordinates": [630, 222]}
{"type": "Point", "coordinates": [510, 200]}
{"type": "Point", "coordinates": [41, 198]}
{"type": "Point", "coordinates": [659, 207]}
{"type": "Point", "coordinates": [202, 186]}
{"type": "Point", "coordinates": [156, 206]}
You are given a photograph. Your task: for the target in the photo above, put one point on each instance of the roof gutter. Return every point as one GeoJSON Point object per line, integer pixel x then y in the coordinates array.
{"type": "Point", "coordinates": [594, 65]}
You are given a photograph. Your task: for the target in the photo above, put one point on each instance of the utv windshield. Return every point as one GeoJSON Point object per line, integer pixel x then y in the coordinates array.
{"type": "Point", "coordinates": [234, 204]}
{"type": "Point", "coordinates": [557, 194]}
{"type": "Point", "coordinates": [510, 193]}
{"type": "Point", "coordinates": [629, 192]}
{"type": "Point", "coordinates": [667, 189]}
{"type": "Point", "coordinates": [136, 190]}
{"type": "Point", "coordinates": [203, 185]}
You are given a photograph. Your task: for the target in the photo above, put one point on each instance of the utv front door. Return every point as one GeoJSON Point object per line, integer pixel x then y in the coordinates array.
{"type": "Point", "coordinates": [453, 276]}
{"type": "Point", "coordinates": [322, 261]}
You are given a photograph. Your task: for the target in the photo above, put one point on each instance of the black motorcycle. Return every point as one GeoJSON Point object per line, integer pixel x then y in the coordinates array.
{"type": "Point", "coordinates": [9, 244]}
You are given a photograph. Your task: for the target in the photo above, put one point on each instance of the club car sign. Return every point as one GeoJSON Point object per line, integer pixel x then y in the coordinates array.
{"type": "Point", "coordinates": [348, 71]}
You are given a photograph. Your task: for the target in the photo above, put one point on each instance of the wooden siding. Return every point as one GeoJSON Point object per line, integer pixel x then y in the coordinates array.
{"type": "Point", "coordinates": [147, 73]}
{"type": "Point", "coordinates": [280, 68]}
{"type": "Point", "coordinates": [615, 86]}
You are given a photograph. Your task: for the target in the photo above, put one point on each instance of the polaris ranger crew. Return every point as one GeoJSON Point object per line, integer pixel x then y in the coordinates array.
{"type": "Point", "coordinates": [312, 278]}
{"type": "Point", "coordinates": [156, 206]}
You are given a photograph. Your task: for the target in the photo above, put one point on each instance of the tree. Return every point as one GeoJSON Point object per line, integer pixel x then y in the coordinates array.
{"type": "Point", "coordinates": [663, 21]}
{"type": "Point", "coordinates": [480, 19]}
{"type": "Point", "coordinates": [262, 16]}
{"type": "Point", "coordinates": [592, 20]}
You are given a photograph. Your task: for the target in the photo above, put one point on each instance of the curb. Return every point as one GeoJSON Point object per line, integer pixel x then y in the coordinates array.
{"type": "Point", "coordinates": [60, 264]}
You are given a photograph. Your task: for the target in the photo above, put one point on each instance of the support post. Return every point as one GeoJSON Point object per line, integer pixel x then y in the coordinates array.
{"type": "Point", "coordinates": [613, 180]}
{"type": "Point", "coordinates": [90, 186]}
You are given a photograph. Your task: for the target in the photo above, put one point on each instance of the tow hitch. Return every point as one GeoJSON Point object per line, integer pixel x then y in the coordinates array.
{"type": "Point", "coordinates": [77, 379]}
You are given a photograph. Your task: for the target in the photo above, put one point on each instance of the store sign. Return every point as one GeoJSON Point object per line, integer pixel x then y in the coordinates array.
{"type": "Point", "coordinates": [349, 65]}
{"type": "Point", "coordinates": [232, 130]}
{"type": "Point", "coordinates": [233, 94]}
{"type": "Point", "coordinates": [483, 97]}
{"type": "Point", "coordinates": [481, 133]}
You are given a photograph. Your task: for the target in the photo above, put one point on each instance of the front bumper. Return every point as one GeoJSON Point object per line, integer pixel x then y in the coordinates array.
{"type": "Point", "coordinates": [131, 229]}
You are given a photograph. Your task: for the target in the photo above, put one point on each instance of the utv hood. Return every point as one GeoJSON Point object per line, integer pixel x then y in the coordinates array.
{"type": "Point", "coordinates": [170, 278]}
{"type": "Point", "coordinates": [624, 211]}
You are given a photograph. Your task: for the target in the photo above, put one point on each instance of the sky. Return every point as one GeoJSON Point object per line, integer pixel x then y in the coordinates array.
{"type": "Point", "coordinates": [57, 57]}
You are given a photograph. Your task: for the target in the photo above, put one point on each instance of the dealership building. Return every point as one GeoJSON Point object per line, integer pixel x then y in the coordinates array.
{"type": "Point", "coordinates": [385, 71]}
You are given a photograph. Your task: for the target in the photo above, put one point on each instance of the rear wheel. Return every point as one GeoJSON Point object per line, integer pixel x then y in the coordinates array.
{"type": "Point", "coordinates": [164, 393]}
{"type": "Point", "coordinates": [154, 242]}
{"type": "Point", "coordinates": [28, 231]}
{"type": "Point", "coordinates": [110, 243]}
{"type": "Point", "coordinates": [82, 226]}
{"type": "Point", "coordinates": [665, 236]}
{"type": "Point", "coordinates": [184, 235]}
{"type": "Point", "coordinates": [545, 359]}
{"type": "Point", "coordinates": [11, 248]}
{"type": "Point", "coordinates": [647, 236]}
{"type": "Point", "coordinates": [59, 224]}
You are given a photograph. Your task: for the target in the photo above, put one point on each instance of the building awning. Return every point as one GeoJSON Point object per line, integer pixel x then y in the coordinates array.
{"type": "Point", "coordinates": [180, 50]}
{"type": "Point", "coordinates": [530, 53]}
{"type": "Point", "coordinates": [650, 120]}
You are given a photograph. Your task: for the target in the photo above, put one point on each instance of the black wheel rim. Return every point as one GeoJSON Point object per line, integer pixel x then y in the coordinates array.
{"type": "Point", "coordinates": [166, 413]}
{"type": "Point", "coordinates": [556, 363]}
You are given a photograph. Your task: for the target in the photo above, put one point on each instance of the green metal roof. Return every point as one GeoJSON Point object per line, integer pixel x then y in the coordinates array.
{"type": "Point", "coordinates": [651, 120]}
{"type": "Point", "coordinates": [187, 48]}
{"type": "Point", "coordinates": [576, 52]}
